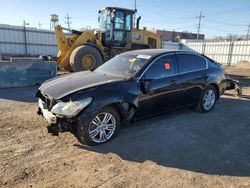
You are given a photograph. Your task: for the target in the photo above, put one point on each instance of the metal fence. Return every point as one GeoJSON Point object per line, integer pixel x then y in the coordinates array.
{"type": "Point", "coordinates": [16, 40]}
{"type": "Point", "coordinates": [225, 52]}
{"type": "Point", "coordinates": [171, 45]}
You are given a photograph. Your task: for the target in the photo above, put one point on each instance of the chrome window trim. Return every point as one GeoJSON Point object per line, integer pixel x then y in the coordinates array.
{"type": "Point", "coordinates": [175, 53]}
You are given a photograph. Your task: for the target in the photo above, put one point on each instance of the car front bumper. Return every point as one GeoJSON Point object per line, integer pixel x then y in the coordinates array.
{"type": "Point", "coordinates": [56, 124]}
{"type": "Point", "coordinates": [51, 118]}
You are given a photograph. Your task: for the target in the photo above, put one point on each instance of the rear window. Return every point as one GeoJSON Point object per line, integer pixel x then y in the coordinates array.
{"type": "Point", "coordinates": [190, 62]}
{"type": "Point", "coordinates": [201, 62]}
{"type": "Point", "coordinates": [211, 61]}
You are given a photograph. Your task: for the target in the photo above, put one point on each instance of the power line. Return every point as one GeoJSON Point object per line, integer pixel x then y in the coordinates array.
{"type": "Point", "coordinates": [209, 27]}
{"type": "Point", "coordinates": [68, 22]}
{"type": "Point", "coordinates": [184, 27]}
{"type": "Point", "coordinates": [167, 16]}
{"type": "Point", "coordinates": [226, 23]}
{"type": "Point", "coordinates": [166, 10]}
{"type": "Point", "coordinates": [227, 11]}
{"type": "Point", "coordinates": [199, 24]}
{"type": "Point", "coordinates": [150, 20]}
{"type": "Point", "coordinates": [84, 18]}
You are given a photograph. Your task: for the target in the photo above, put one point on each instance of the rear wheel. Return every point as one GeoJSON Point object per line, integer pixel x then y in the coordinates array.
{"type": "Point", "coordinates": [207, 99]}
{"type": "Point", "coordinates": [85, 58]}
{"type": "Point", "coordinates": [99, 128]}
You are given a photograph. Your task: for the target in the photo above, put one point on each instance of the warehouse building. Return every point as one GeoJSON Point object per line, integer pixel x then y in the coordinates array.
{"type": "Point", "coordinates": [175, 35]}
{"type": "Point", "coordinates": [20, 40]}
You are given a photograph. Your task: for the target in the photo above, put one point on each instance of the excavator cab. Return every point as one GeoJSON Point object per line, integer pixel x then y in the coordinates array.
{"type": "Point", "coordinates": [115, 25]}
{"type": "Point", "coordinates": [89, 49]}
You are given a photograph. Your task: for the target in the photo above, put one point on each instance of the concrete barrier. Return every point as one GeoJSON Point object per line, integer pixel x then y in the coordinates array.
{"type": "Point", "coordinates": [25, 72]}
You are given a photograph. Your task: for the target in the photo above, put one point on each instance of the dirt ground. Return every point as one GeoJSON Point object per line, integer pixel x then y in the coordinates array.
{"type": "Point", "coordinates": [179, 149]}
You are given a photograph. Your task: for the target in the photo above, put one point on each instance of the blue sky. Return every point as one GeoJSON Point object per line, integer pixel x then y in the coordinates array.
{"type": "Point", "coordinates": [222, 17]}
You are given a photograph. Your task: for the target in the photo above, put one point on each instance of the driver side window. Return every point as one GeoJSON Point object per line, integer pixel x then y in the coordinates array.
{"type": "Point", "coordinates": [163, 67]}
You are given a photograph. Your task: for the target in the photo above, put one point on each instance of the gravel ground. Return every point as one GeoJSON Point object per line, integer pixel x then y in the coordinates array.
{"type": "Point", "coordinates": [179, 149]}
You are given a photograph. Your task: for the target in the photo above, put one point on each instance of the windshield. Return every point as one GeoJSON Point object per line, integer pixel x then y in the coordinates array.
{"type": "Point", "coordinates": [126, 65]}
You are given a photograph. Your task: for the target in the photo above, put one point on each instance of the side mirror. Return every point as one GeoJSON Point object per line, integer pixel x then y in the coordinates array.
{"type": "Point", "coordinates": [145, 86]}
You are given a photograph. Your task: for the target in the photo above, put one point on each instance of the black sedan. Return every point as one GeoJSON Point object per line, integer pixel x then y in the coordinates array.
{"type": "Point", "coordinates": [132, 85]}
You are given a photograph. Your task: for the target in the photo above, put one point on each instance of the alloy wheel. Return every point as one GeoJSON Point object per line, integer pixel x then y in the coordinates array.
{"type": "Point", "coordinates": [102, 127]}
{"type": "Point", "coordinates": [208, 99]}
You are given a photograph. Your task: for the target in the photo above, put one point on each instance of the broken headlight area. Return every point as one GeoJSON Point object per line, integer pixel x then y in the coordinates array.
{"type": "Point", "coordinates": [70, 109]}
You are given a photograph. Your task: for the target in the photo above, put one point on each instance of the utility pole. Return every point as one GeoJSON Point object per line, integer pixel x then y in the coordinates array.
{"type": "Point", "coordinates": [25, 37]}
{"type": "Point", "coordinates": [39, 25]}
{"type": "Point", "coordinates": [199, 24]}
{"type": "Point", "coordinates": [68, 22]}
{"type": "Point", "coordinates": [248, 30]}
{"type": "Point", "coordinates": [135, 14]}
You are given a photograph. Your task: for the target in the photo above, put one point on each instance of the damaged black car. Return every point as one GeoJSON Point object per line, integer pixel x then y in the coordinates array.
{"type": "Point", "coordinates": [130, 86]}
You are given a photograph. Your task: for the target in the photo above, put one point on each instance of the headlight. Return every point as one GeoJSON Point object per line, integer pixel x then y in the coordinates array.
{"type": "Point", "coordinates": [71, 108]}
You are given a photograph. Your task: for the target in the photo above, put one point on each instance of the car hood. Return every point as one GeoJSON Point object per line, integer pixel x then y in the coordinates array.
{"type": "Point", "coordinates": [67, 84]}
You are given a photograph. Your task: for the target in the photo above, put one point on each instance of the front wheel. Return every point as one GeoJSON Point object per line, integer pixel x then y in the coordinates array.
{"type": "Point", "coordinates": [99, 128]}
{"type": "Point", "coordinates": [207, 99]}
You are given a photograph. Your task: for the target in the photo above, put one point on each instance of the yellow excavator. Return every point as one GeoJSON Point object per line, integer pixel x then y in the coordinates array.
{"type": "Point", "coordinates": [89, 49]}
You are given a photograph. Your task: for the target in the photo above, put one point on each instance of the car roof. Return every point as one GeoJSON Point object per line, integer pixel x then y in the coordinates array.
{"type": "Point", "coordinates": [156, 52]}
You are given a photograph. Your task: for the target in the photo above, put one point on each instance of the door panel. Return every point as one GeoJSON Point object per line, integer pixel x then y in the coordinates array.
{"type": "Point", "coordinates": [163, 96]}
{"type": "Point", "coordinates": [192, 71]}
{"type": "Point", "coordinates": [164, 93]}
{"type": "Point", "coordinates": [192, 85]}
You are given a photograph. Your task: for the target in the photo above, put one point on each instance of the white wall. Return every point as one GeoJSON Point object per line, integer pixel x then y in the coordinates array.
{"type": "Point", "coordinates": [225, 52]}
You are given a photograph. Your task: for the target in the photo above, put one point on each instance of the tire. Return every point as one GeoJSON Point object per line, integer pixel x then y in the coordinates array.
{"type": "Point", "coordinates": [85, 128]}
{"type": "Point", "coordinates": [209, 94]}
{"type": "Point", "coordinates": [68, 68]}
{"type": "Point", "coordinates": [85, 58]}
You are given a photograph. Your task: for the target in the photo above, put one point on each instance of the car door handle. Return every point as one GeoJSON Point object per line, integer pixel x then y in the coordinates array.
{"type": "Point", "coordinates": [173, 82]}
